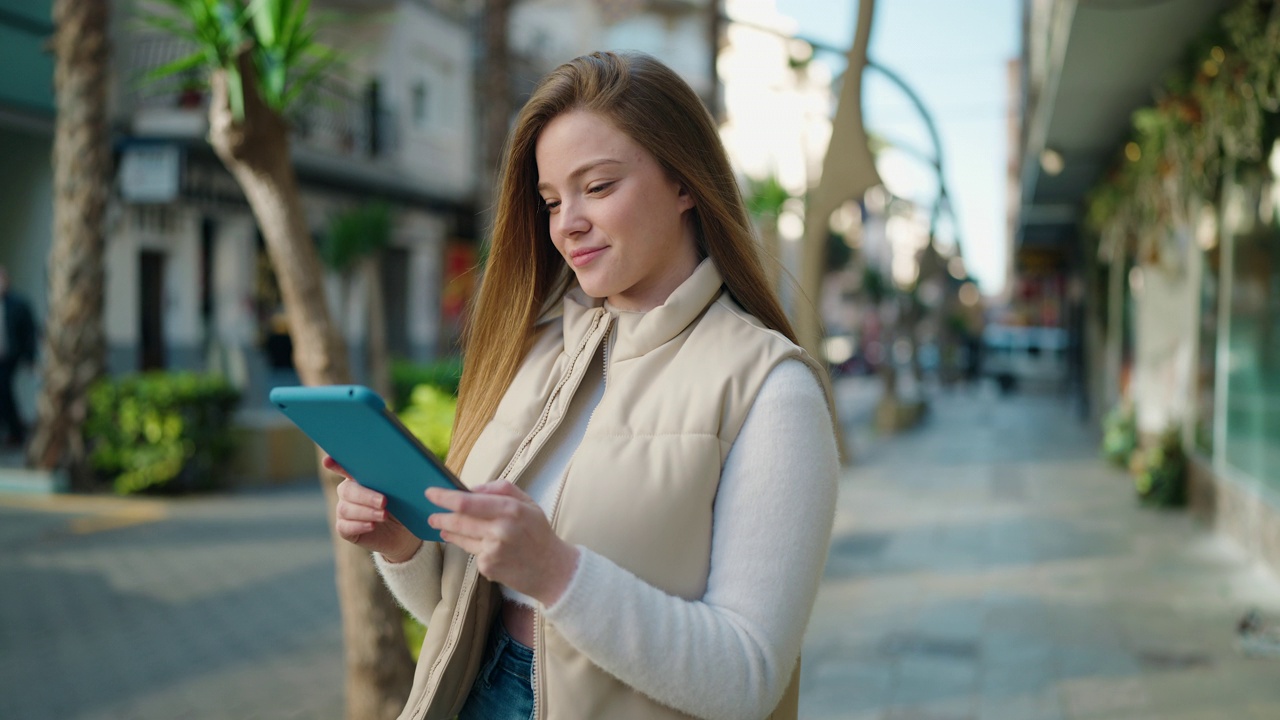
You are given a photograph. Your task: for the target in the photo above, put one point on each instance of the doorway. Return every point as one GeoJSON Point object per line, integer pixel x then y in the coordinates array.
{"type": "Point", "coordinates": [395, 294]}
{"type": "Point", "coordinates": [151, 302]}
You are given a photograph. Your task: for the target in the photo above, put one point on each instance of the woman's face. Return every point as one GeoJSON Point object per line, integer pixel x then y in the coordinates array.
{"type": "Point", "coordinates": [615, 216]}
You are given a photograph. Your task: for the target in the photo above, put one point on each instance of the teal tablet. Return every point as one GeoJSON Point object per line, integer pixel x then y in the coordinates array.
{"type": "Point", "coordinates": [353, 425]}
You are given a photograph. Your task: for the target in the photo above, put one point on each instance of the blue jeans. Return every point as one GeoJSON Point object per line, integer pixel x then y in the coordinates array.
{"type": "Point", "coordinates": [504, 688]}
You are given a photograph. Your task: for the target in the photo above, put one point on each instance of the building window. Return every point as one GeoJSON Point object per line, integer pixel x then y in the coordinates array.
{"type": "Point", "coordinates": [418, 100]}
{"type": "Point", "coordinates": [1253, 337]}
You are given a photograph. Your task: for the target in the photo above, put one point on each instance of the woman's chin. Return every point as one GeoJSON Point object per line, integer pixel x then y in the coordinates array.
{"type": "Point", "coordinates": [593, 289]}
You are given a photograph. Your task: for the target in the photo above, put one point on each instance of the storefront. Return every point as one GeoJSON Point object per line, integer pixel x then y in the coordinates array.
{"type": "Point", "coordinates": [1237, 433]}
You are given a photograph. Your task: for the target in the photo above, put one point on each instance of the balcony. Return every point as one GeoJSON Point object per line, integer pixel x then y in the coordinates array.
{"type": "Point", "coordinates": [334, 119]}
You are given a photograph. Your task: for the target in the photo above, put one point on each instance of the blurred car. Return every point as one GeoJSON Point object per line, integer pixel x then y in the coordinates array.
{"type": "Point", "coordinates": [1014, 355]}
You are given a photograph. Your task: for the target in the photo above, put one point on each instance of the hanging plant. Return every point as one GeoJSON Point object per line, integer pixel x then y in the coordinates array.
{"type": "Point", "coordinates": [1216, 107]}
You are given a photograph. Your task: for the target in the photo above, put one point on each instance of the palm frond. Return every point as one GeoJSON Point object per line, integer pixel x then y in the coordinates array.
{"type": "Point", "coordinates": [286, 55]}
{"type": "Point", "coordinates": [308, 77]}
{"type": "Point", "coordinates": [181, 65]}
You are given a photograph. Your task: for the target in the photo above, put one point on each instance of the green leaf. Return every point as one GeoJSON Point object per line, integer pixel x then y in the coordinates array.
{"type": "Point", "coordinates": [262, 18]}
{"type": "Point", "coordinates": [235, 92]}
{"type": "Point", "coordinates": [307, 80]}
{"type": "Point", "coordinates": [190, 62]}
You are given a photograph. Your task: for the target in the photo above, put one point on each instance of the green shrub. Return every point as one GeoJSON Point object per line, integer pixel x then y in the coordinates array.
{"type": "Point", "coordinates": [414, 633]}
{"type": "Point", "coordinates": [429, 416]}
{"type": "Point", "coordinates": [1119, 435]}
{"type": "Point", "coordinates": [161, 431]}
{"type": "Point", "coordinates": [405, 376]}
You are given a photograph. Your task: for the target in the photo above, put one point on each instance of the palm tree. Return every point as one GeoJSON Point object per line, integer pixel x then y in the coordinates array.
{"type": "Point", "coordinates": [74, 345]}
{"type": "Point", "coordinates": [260, 56]}
{"type": "Point", "coordinates": [496, 103]}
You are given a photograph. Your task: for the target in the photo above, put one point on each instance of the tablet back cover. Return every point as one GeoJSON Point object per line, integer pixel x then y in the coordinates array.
{"type": "Point", "coordinates": [350, 422]}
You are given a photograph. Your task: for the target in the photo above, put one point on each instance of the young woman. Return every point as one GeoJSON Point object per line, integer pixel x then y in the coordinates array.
{"type": "Point", "coordinates": [651, 456]}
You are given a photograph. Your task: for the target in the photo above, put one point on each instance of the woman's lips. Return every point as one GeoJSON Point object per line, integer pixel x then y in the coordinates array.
{"type": "Point", "coordinates": [582, 257]}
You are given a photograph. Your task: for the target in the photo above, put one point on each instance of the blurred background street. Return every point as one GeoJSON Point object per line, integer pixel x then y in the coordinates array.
{"type": "Point", "coordinates": [984, 566]}
{"type": "Point", "coordinates": [1036, 242]}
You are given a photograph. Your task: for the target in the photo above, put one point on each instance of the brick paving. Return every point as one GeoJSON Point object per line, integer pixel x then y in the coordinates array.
{"type": "Point", "coordinates": [212, 608]}
{"type": "Point", "coordinates": [985, 566]}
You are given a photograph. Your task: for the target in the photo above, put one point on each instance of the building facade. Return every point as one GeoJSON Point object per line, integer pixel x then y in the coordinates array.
{"type": "Point", "coordinates": [1162, 202]}
{"type": "Point", "coordinates": [189, 284]}
{"type": "Point", "coordinates": [26, 146]}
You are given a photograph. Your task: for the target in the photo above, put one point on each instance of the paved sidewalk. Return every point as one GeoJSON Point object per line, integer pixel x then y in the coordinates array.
{"type": "Point", "coordinates": [988, 566]}
{"type": "Point", "coordinates": [204, 608]}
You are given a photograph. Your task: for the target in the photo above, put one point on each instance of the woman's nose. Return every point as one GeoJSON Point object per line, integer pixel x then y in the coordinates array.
{"type": "Point", "coordinates": [572, 219]}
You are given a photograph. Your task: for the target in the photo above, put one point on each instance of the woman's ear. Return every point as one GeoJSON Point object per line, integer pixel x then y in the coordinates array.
{"type": "Point", "coordinates": [685, 198]}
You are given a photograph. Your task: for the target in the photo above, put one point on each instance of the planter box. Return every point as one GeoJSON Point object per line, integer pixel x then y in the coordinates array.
{"type": "Point", "coordinates": [270, 450]}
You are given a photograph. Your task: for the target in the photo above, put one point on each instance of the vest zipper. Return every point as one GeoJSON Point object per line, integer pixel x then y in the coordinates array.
{"type": "Point", "coordinates": [546, 410]}
{"type": "Point", "coordinates": [469, 574]}
{"type": "Point", "coordinates": [538, 647]}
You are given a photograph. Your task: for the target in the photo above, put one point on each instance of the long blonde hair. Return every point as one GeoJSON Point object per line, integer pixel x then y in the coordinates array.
{"type": "Point", "coordinates": [659, 111]}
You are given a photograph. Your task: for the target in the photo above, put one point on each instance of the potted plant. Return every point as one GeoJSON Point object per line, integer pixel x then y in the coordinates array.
{"type": "Point", "coordinates": [1160, 472]}
{"type": "Point", "coordinates": [1119, 434]}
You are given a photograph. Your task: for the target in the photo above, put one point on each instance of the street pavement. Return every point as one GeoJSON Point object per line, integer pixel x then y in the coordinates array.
{"type": "Point", "coordinates": [984, 566]}
{"type": "Point", "coordinates": [988, 566]}
{"type": "Point", "coordinates": [218, 607]}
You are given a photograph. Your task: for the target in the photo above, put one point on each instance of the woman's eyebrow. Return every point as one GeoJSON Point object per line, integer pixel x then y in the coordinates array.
{"type": "Point", "coordinates": [582, 170]}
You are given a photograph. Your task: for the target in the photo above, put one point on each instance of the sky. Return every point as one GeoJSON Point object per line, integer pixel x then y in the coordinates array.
{"type": "Point", "coordinates": [954, 55]}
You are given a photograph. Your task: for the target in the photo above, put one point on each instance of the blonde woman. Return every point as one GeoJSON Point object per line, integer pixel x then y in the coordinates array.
{"type": "Point", "coordinates": [651, 456]}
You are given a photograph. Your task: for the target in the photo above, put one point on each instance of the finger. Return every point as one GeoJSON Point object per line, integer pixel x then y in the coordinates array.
{"type": "Point", "coordinates": [482, 506]}
{"type": "Point", "coordinates": [352, 530]}
{"type": "Point", "coordinates": [469, 545]}
{"type": "Point", "coordinates": [333, 465]}
{"type": "Point", "coordinates": [463, 525]}
{"type": "Point", "coordinates": [354, 492]}
{"type": "Point", "coordinates": [365, 513]}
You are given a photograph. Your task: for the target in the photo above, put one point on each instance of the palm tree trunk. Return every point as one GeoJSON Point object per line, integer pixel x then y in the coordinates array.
{"type": "Point", "coordinates": [256, 151]}
{"type": "Point", "coordinates": [74, 346]}
{"type": "Point", "coordinates": [495, 94]}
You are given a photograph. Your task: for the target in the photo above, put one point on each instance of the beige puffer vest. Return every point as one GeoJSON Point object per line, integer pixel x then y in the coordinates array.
{"type": "Point", "coordinates": [639, 490]}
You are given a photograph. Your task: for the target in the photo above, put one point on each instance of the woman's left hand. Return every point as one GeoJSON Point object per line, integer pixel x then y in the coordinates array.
{"type": "Point", "coordinates": [510, 537]}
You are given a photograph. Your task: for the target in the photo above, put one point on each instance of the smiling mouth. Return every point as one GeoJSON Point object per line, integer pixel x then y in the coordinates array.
{"type": "Point", "coordinates": [582, 257]}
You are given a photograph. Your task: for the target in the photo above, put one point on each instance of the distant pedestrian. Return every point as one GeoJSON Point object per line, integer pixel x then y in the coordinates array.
{"type": "Point", "coordinates": [17, 348]}
{"type": "Point", "coordinates": [651, 455]}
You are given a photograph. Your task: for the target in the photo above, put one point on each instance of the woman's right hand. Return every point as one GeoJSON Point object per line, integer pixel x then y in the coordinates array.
{"type": "Point", "coordinates": [363, 519]}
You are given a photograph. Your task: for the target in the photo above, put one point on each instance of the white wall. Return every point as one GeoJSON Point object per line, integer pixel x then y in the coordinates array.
{"type": "Point", "coordinates": [122, 291]}
{"type": "Point", "coordinates": [175, 232]}
{"type": "Point", "coordinates": [680, 43]}
{"type": "Point", "coordinates": [1165, 311]}
{"type": "Point", "coordinates": [424, 235]}
{"type": "Point", "coordinates": [556, 31]}
{"type": "Point", "coordinates": [428, 49]}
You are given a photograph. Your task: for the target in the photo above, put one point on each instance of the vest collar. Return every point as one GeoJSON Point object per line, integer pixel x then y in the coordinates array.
{"type": "Point", "coordinates": [637, 333]}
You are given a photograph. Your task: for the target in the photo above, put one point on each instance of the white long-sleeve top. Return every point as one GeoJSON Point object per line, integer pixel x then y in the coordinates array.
{"type": "Point", "coordinates": [731, 653]}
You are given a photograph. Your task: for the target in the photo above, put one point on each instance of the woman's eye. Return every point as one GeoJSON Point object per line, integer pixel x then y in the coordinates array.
{"type": "Point", "coordinates": [550, 205]}
{"type": "Point", "coordinates": [597, 189]}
